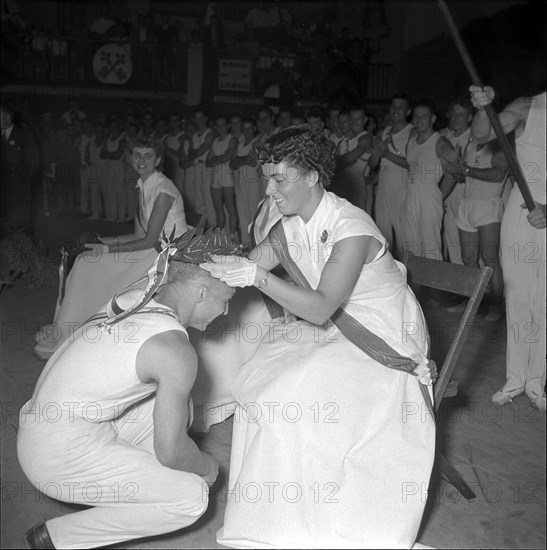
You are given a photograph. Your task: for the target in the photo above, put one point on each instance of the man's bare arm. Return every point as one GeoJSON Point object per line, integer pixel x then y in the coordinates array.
{"type": "Point", "coordinates": [169, 360]}
{"type": "Point", "coordinates": [513, 117]}
{"type": "Point", "coordinates": [347, 159]}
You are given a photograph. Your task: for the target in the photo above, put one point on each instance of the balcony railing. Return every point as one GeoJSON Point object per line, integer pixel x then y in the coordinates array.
{"type": "Point", "coordinates": [40, 59]}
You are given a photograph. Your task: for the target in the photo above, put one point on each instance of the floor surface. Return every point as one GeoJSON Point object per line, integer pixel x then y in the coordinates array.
{"type": "Point", "coordinates": [500, 451]}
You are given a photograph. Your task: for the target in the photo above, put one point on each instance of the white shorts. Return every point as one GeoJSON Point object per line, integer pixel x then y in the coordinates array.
{"type": "Point", "coordinates": [222, 176]}
{"type": "Point", "coordinates": [476, 213]}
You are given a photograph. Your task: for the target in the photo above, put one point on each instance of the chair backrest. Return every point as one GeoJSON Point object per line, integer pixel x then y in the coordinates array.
{"type": "Point", "coordinates": [457, 279]}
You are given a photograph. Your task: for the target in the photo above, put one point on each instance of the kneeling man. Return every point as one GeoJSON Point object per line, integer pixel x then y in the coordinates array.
{"type": "Point", "coordinates": [107, 423]}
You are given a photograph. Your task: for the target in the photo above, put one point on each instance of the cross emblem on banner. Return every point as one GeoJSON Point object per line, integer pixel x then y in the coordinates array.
{"type": "Point", "coordinates": [112, 64]}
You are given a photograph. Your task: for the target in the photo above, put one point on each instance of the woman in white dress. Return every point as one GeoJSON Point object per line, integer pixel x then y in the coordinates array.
{"type": "Point", "coordinates": [334, 438]}
{"type": "Point", "coordinates": [106, 268]}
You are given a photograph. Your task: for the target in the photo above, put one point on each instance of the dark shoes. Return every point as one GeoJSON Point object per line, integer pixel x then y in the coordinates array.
{"type": "Point", "coordinates": [38, 537]}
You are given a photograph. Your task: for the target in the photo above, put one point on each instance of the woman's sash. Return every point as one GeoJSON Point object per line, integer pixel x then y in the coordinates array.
{"type": "Point", "coordinates": [368, 342]}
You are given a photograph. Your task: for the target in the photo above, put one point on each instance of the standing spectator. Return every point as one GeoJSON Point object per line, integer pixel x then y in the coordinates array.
{"type": "Point", "coordinates": [85, 137]}
{"type": "Point", "coordinates": [67, 170]}
{"type": "Point", "coordinates": [131, 176]}
{"type": "Point", "coordinates": [47, 142]}
{"type": "Point", "coordinates": [172, 145]}
{"type": "Point", "coordinates": [96, 175]}
{"type": "Point", "coordinates": [235, 127]}
{"type": "Point", "coordinates": [316, 121]}
{"type": "Point", "coordinates": [265, 123]}
{"type": "Point", "coordinates": [187, 165]}
{"type": "Point", "coordinates": [20, 161]}
{"type": "Point", "coordinates": [160, 130]}
{"type": "Point", "coordinates": [352, 163]}
{"type": "Point", "coordinates": [522, 247]}
{"type": "Point", "coordinates": [460, 114]}
{"type": "Point", "coordinates": [423, 201]}
{"type": "Point", "coordinates": [197, 188]}
{"type": "Point", "coordinates": [248, 183]}
{"type": "Point", "coordinates": [218, 160]}
{"type": "Point", "coordinates": [333, 124]}
{"type": "Point", "coordinates": [113, 152]}
{"type": "Point", "coordinates": [483, 169]}
{"type": "Point", "coordinates": [389, 154]}
{"type": "Point", "coordinates": [148, 125]}
{"type": "Point", "coordinates": [371, 173]}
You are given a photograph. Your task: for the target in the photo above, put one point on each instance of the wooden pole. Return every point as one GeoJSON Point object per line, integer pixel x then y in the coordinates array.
{"type": "Point", "coordinates": [514, 166]}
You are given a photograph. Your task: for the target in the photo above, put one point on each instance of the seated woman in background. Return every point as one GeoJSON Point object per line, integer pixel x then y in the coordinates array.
{"type": "Point", "coordinates": [104, 270]}
{"type": "Point", "coordinates": [333, 430]}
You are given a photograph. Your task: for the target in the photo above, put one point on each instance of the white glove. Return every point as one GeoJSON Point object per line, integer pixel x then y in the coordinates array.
{"type": "Point", "coordinates": [233, 270]}
{"type": "Point", "coordinates": [481, 96]}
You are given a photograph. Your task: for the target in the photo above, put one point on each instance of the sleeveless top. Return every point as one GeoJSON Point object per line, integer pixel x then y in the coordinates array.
{"type": "Point", "coordinates": [219, 147]}
{"type": "Point", "coordinates": [112, 144]}
{"type": "Point", "coordinates": [198, 141]}
{"type": "Point", "coordinates": [173, 140]}
{"type": "Point", "coordinates": [93, 376]}
{"type": "Point", "coordinates": [380, 298]}
{"type": "Point", "coordinates": [361, 164]}
{"type": "Point", "coordinates": [242, 149]}
{"type": "Point", "coordinates": [247, 173]}
{"type": "Point", "coordinates": [336, 139]}
{"type": "Point", "coordinates": [424, 166]}
{"type": "Point", "coordinates": [95, 153]}
{"type": "Point", "coordinates": [396, 143]}
{"type": "Point", "coordinates": [462, 140]}
{"type": "Point", "coordinates": [530, 147]}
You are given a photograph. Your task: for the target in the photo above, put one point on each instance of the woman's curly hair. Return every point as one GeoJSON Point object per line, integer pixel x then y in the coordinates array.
{"type": "Point", "coordinates": [301, 147]}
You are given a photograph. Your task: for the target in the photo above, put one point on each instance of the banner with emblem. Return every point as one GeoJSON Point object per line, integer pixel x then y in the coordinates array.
{"type": "Point", "coordinates": [112, 63]}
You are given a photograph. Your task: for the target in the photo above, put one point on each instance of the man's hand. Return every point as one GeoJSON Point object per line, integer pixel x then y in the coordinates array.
{"type": "Point", "coordinates": [454, 163]}
{"type": "Point", "coordinates": [537, 217]}
{"type": "Point", "coordinates": [480, 97]}
{"type": "Point", "coordinates": [379, 147]}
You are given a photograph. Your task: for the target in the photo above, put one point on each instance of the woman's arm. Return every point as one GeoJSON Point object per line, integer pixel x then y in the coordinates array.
{"type": "Point", "coordinates": [338, 277]}
{"type": "Point", "coordinates": [337, 281]}
{"type": "Point", "coordinates": [156, 222]}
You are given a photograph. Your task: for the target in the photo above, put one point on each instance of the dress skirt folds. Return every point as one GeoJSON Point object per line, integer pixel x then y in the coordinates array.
{"type": "Point", "coordinates": [330, 448]}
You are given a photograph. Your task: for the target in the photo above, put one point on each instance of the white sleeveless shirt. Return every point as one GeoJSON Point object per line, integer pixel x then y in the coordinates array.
{"type": "Point", "coordinates": [93, 377]}
{"type": "Point", "coordinates": [424, 166]}
{"type": "Point", "coordinates": [198, 141]}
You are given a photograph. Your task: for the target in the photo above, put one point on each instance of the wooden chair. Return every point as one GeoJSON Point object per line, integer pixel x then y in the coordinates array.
{"type": "Point", "coordinates": [464, 281]}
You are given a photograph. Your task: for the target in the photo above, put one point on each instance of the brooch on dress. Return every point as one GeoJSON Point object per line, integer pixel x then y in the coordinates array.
{"type": "Point", "coordinates": [324, 236]}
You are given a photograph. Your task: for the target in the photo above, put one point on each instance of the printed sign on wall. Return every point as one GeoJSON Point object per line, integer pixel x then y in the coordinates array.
{"type": "Point", "coordinates": [234, 75]}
